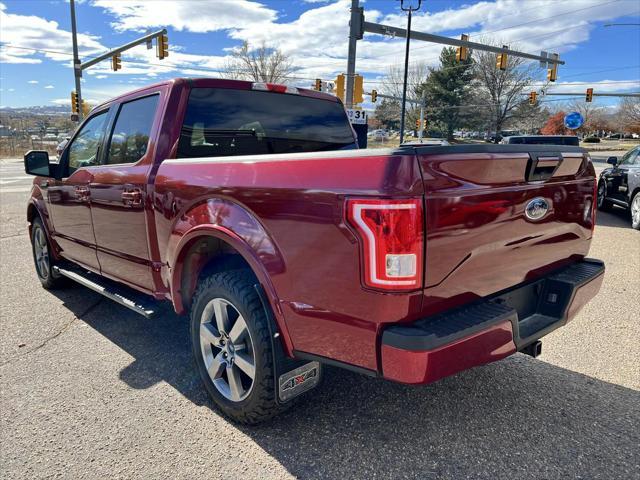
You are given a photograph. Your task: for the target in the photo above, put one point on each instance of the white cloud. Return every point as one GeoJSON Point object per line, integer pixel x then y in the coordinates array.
{"type": "Point", "coordinates": [61, 101]}
{"type": "Point", "coordinates": [202, 16]}
{"type": "Point", "coordinates": [100, 77]}
{"type": "Point", "coordinates": [33, 82]}
{"type": "Point", "coordinates": [37, 37]}
{"type": "Point", "coordinates": [49, 87]}
{"type": "Point", "coordinates": [601, 86]}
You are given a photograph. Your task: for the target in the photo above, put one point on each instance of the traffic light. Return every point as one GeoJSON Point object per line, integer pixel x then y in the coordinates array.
{"type": "Point", "coordinates": [533, 97]}
{"type": "Point", "coordinates": [339, 86]}
{"type": "Point", "coordinates": [552, 71]}
{"type": "Point", "coordinates": [86, 108]}
{"type": "Point", "coordinates": [462, 53]}
{"type": "Point", "coordinates": [418, 124]}
{"type": "Point", "coordinates": [358, 89]}
{"type": "Point", "coordinates": [318, 86]}
{"type": "Point", "coordinates": [374, 96]}
{"type": "Point", "coordinates": [162, 46]}
{"type": "Point", "coordinates": [501, 61]}
{"type": "Point", "coordinates": [116, 62]}
{"type": "Point", "coordinates": [589, 97]}
{"type": "Point", "coordinates": [75, 107]}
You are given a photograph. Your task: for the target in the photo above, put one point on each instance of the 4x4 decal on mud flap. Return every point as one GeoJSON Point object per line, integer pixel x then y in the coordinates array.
{"type": "Point", "coordinates": [298, 381]}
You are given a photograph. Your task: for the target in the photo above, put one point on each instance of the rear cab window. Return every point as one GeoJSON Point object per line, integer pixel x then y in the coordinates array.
{"type": "Point", "coordinates": [227, 122]}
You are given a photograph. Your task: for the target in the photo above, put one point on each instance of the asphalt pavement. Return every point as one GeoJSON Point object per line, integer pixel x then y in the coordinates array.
{"type": "Point", "coordinates": [92, 390]}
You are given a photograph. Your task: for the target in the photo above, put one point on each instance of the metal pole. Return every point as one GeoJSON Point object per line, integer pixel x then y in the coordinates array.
{"type": "Point", "coordinates": [351, 56]}
{"type": "Point", "coordinates": [427, 37]}
{"type": "Point", "coordinates": [77, 70]}
{"type": "Point", "coordinates": [421, 117]}
{"type": "Point", "coordinates": [122, 48]}
{"type": "Point", "coordinates": [406, 71]}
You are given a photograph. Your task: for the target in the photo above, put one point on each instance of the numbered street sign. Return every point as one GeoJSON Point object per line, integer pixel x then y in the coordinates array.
{"type": "Point", "coordinates": [357, 116]}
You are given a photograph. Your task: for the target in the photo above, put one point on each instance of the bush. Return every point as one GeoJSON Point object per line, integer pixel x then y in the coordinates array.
{"type": "Point", "coordinates": [591, 140]}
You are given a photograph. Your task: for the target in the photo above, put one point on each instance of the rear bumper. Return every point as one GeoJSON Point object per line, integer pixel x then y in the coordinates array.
{"type": "Point", "coordinates": [488, 330]}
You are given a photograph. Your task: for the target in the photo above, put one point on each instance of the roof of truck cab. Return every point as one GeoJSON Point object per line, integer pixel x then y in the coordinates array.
{"type": "Point", "coordinates": [214, 83]}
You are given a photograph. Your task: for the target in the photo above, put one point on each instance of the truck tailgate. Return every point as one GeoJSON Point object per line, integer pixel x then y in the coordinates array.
{"type": "Point", "coordinates": [499, 215]}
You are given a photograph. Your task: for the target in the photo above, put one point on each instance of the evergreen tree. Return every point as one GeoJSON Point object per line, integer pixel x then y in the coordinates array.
{"type": "Point", "coordinates": [446, 91]}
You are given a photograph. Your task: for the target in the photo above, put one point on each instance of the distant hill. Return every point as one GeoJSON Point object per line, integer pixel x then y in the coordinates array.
{"type": "Point", "coordinates": [49, 110]}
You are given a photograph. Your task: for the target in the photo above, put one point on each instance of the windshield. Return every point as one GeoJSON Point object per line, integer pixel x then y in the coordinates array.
{"type": "Point", "coordinates": [223, 122]}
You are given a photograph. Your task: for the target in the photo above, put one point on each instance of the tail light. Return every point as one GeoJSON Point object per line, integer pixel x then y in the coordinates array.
{"type": "Point", "coordinates": [392, 241]}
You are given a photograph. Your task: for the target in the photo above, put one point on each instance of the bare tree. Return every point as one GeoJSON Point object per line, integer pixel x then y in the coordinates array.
{"type": "Point", "coordinates": [262, 64]}
{"type": "Point", "coordinates": [629, 114]}
{"type": "Point", "coordinates": [392, 84]}
{"type": "Point", "coordinates": [500, 90]}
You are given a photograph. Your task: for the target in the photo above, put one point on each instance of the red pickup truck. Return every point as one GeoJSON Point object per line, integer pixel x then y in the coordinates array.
{"type": "Point", "coordinates": [248, 207]}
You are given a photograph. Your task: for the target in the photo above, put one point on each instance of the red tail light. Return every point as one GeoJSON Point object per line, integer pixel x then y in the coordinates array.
{"type": "Point", "coordinates": [392, 241]}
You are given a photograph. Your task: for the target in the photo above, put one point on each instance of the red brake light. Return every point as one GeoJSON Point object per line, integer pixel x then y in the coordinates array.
{"type": "Point", "coordinates": [391, 235]}
{"type": "Point", "coordinates": [274, 87]}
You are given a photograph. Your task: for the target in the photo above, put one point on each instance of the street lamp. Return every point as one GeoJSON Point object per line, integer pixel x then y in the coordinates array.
{"type": "Point", "coordinates": [410, 9]}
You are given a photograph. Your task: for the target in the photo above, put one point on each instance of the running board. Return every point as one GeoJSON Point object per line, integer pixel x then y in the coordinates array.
{"type": "Point", "coordinates": [125, 296]}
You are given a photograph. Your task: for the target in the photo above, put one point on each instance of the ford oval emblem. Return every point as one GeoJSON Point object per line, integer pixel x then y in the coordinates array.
{"type": "Point", "coordinates": [536, 208]}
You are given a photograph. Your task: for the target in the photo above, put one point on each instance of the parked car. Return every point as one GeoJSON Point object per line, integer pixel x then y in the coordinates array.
{"type": "Point", "coordinates": [614, 136]}
{"type": "Point", "coordinates": [61, 146]}
{"type": "Point", "coordinates": [541, 140]}
{"type": "Point", "coordinates": [619, 185]}
{"type": "Point", "coordinates": [288, 248]}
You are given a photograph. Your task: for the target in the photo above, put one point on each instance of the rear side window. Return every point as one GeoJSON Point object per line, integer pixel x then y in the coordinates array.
{"type": "Point", "coordinates": [130, 136]}
{"type": "Point", "coordinates": [223, 122]}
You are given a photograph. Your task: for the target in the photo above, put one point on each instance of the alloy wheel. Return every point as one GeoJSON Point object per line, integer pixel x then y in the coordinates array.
{"type": "Point", "coordinates": [227, 349]}
{"type": "Point", "coordinates": [635, 209]}
{"type": "Point", "coordinates": [41, 251]}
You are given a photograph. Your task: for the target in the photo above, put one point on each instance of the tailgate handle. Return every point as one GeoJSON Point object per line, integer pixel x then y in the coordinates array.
{"type": "Point", "coordinates": [542, 167]}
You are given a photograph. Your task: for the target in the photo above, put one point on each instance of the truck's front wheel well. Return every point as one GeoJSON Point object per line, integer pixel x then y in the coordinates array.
{"type": "Point", "coordinates": [205, 256]}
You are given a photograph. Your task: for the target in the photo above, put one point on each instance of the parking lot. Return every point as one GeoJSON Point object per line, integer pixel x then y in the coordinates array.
{"type": "Point", "coordinates": [91, 390]}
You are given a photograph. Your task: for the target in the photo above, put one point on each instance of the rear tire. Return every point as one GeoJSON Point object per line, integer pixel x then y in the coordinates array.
{"type": "Point", "coordinates": [41, 249]}
{"type": "Point", "coordinates": [232, 346]}
{"type": "Point", "coordinates": [603, 204]}
{"type": "Point", "coordinates": [635, 211]}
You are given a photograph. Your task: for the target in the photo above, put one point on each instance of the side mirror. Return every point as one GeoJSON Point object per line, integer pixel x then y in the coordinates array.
{"type": "Point", "coordinates": [612, 161]}
{"type": "Point", "coordinates": [36, 162]}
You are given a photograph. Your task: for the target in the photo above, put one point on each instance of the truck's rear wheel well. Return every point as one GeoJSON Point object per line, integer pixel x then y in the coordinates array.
{"type": "Point", "coordinates": [205, 256]}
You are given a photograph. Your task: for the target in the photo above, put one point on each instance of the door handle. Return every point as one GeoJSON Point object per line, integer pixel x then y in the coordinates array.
{"type": "Point", "coordinates": [82, 193]}
{"type": "Point", "coordinates": [132, 197]}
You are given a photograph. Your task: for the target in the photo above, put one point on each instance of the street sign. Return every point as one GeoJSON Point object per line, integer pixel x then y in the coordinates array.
{"type": "Point", "coordinates": [357, 116]}
{"type": "Point", "coordinates": [573, 120]}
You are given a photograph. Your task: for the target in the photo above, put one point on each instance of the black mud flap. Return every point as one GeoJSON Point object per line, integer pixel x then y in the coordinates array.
{"type": "Point", "coordinates": [292, 377]}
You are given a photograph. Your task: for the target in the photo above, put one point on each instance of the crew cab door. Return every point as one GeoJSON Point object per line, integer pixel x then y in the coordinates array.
{"type": "Point", "coordinates": [618, 178]}
{"type": "Point", "coordinates": [119, 194]}
{"type": "Point", "coordinates": [70, 198]}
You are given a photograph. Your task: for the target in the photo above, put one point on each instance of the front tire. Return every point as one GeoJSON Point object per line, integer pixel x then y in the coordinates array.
{"type": "Point", "coordinates": [41, 250]}
{"type": "Point", "coordinates": [635, 211]}
{"type": "Point", "coordinates": [232, 346]}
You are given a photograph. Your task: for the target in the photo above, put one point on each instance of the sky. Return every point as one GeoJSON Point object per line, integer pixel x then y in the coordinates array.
{"type": "Point", "coordinates": [35, 40]}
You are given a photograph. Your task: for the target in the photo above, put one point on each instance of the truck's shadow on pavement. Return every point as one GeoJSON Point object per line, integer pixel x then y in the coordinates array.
{"type": "Point", "coordinates": [519, 418]}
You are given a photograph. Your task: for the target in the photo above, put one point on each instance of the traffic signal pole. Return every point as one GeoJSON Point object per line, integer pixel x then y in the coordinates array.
{"type": "Point", "coordinates": [78, 66]}
{"type": "Point", "coordinates": [355, 34]}
{"type": "Point", "coordinates": [77, 70]}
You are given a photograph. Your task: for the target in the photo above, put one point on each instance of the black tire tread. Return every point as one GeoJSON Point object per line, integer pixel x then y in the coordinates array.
{"type": "Point", "coordinates": [241, 283]}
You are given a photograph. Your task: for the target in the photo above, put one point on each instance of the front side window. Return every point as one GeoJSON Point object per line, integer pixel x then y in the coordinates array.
{"type": "Point", "coordinates": [131, 132]}
{"type": "Point", "coordinates": [223, 122]}
{"type": "Point", "coordinates": [83, 151]}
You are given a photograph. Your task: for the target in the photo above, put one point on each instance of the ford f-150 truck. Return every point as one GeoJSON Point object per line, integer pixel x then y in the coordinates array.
{"type": "Point", "coordinates": [248, 207]}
